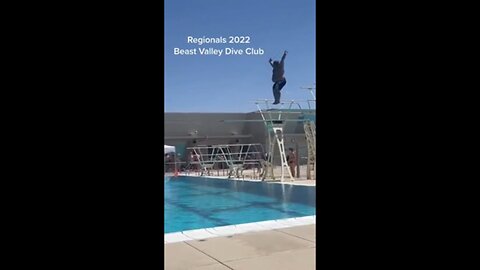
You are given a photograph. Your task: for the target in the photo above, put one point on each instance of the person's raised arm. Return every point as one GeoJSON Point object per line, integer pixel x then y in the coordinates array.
{"type": "Point", "coordinates": [283, 57]}
{"type": "Point", "coordinates": [270, 61]}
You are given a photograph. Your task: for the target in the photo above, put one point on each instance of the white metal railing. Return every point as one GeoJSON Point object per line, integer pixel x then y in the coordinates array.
{"type": "Point", "coordinates": [236, 157]}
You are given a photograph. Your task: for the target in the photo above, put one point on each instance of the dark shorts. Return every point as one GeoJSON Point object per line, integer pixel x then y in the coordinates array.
{"type": "Point", "coordinates": [279, 84]}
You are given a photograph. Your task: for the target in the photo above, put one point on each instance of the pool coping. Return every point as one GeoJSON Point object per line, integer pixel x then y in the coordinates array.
{"type": "Point", "coordinates": [298, 182]}
{"type": "Point", "coordinates": [205, 233]}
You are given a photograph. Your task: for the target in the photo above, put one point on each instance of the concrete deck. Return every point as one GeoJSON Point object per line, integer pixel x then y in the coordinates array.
{"type": "Point", "coordinates": [279, 249]}
{"type": "Point", "coordinates": [251, 175]}
{"type": "Point", "coordinates": [248, 176]}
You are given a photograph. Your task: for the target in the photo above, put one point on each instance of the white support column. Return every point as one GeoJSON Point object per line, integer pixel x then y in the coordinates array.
{"type": "Point", "coordinates": [310, 135]}
{"type": "Point", "coordinates": [274, 123]}
{"type": "Point", "coordinates": [278, 130]}
{"type": "Point", "coordinates": [271, 153]}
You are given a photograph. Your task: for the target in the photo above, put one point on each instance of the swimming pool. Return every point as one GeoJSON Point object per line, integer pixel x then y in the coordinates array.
{"type": "Point", "coordinates": [199, 202]}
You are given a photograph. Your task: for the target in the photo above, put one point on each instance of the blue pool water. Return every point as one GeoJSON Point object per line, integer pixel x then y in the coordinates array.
{"type": "Point", "coordinates": [198, 202]}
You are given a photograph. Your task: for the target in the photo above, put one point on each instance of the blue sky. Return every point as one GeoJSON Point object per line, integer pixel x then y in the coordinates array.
{"type": "Point", "coordinates": [229, 83]}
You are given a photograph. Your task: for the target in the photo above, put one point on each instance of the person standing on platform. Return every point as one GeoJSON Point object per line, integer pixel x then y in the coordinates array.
{"type": "Point", "coordinates": [278, 77]}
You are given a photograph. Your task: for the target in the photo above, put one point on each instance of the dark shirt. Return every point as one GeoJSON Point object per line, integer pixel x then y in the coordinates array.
{"type": "Point", "coordinates": [278, 70]}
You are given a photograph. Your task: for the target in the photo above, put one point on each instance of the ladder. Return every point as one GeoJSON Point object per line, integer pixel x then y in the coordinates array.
{"type": "Point", "coordinates": [310, 134]}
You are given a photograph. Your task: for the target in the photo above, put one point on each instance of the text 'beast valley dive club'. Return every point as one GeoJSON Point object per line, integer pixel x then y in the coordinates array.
{"type": "Point", "coordinates": [230, 50]}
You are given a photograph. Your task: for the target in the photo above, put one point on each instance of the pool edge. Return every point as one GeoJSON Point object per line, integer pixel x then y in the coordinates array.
{"type": "Point", "coordinates": [205, 233]}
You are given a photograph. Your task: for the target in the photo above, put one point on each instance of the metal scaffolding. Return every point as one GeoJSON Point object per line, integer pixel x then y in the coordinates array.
{"type": "Point", "coordinates": [236, 157]}
{"type": "Point", "coordinates": [275, 125]}
{"type": "Point", "coordinates": [310, 134]}
{"type": "Point", "coordinates": [274, 120]}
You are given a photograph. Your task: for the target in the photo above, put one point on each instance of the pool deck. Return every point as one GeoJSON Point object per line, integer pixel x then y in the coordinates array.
{"type": "Point", "coordinates": [298, 181]}
{"type": "Point", "coordinates": [249, 175]}
{"type": "Point", "coordinates": [285, 248]}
